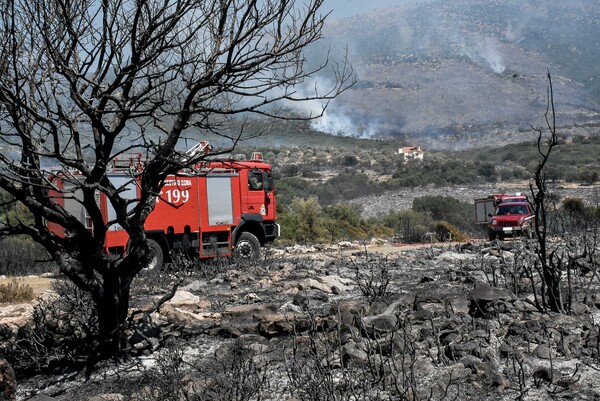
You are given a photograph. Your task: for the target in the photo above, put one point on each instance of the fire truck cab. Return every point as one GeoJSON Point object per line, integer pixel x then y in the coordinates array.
{"type": "Point", "coordinates": [216, 208]}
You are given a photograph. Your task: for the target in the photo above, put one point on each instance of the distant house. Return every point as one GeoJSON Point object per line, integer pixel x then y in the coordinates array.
{"type": "Point", "coordinates": [411, 153]}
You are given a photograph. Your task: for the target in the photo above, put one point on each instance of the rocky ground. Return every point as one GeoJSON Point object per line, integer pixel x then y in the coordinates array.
{"type": "Point", "coordinates": [354, 322]}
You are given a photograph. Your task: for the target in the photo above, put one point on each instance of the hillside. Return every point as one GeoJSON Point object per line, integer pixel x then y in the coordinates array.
{"type": "Point", "coordinates": [459, 74]}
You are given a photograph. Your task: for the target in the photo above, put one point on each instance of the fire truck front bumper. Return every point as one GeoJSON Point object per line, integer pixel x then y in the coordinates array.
{"type": "Point", "coordinates": [272, 231]}
{"type": "Point", "coordinates": [510, 229]}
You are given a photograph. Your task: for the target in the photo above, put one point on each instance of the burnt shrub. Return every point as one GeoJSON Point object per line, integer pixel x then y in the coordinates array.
{"type": "Point", "coordinates": [60, 335]}
{"type": "Point", "coordinates": [339, 361]}
{"type": "Point", "coordinates": [373, 278]}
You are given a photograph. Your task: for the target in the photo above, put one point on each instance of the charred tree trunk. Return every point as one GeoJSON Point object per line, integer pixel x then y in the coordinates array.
{"type": "Point", "coordinates": [112, 309]}
{"type": "Point", "coordinates": [108, 279]}
{"type": "Point", "coordinates": [550, 265]}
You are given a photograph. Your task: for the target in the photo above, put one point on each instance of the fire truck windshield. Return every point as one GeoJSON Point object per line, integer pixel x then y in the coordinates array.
{"type": "Point", "coordinates": [511, 209]}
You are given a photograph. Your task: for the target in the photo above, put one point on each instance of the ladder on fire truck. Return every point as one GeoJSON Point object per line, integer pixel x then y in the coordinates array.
{"type": "Point", "coordinates": [133, 160]}
{"type": "Point", "coordinates": [201, 147]}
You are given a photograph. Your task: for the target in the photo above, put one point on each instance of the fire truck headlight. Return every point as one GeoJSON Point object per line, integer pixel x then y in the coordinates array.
{"type": "Point", "coordinates": [494, 222]}
{"type": "Point", "coordinates": [521, 221]}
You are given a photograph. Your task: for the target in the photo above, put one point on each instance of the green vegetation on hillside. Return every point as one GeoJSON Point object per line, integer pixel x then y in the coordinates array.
{"type": "Point", "coordinates": [574, 159]}
{"type": "Point", "coordinates": [331, 176]}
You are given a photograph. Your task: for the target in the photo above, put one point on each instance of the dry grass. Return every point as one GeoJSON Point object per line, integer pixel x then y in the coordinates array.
{"type": "Point", "coordinates": [15, 291]}
{"type": "Point", "coordinates": [39, 284]}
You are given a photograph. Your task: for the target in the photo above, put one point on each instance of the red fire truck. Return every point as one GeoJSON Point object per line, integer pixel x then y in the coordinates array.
{"type": "Point", "coordinates": [216, 208]}
{"type": "Point", "coordinates": [504, 215]}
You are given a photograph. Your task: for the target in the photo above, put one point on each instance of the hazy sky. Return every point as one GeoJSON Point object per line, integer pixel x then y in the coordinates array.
{"type": "Point", "coordinates": [347, 8]}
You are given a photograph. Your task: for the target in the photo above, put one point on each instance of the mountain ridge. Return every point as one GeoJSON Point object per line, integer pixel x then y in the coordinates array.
{"type": "Point", "coordinates": [465, 73]}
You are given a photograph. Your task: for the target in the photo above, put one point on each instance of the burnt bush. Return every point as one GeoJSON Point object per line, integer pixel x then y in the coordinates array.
{"type": "Point", "coordinates": [235, 373]}
{"type": "Point", "coordinates": [373, 278]}
{"type": "Point", "coordinates": [339, 362]}
{"type": "Point", "coordinates": [60, 335]}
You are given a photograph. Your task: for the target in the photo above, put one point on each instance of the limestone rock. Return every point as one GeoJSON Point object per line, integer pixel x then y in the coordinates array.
{"type": "Point", "coordinates": [485, 292]}
{"type": "Point", "coordinates": [327, 284]}
{"type": "Point", "coordinates": [352, 353]}
{"type": "Point", "coordinates": [542, 351]}
{"type": "Point", "coordinates": [183, 297]}
{"type": "Point", "coordinates": [382, 323]}
{"type": "Point", "coordinates": [457, 351]}
{"type": "Point", "coordinates": [484, 298]}
{"type": "Point", "coordinates": [41, 397]}
{"type": "Point", "coordinates": [108, 397]}
{"type": "Point", "coordinates": [348, 310]}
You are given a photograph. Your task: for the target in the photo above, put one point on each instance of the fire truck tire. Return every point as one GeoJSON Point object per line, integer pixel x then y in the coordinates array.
{"type": "Point", "coordinates": [492, 235]}
{"type": "Point", "coordinates": [247, 246]}
{"type": "Point", "coordinates": [157, 260]}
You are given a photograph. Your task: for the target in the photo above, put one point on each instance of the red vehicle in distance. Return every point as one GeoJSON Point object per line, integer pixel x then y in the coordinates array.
{"type": "Point", "coordinates": [504, 215]}
{"type": "Point", "coordinates": [511, 219]}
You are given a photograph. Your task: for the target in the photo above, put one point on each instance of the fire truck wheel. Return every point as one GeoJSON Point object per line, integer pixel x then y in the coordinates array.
{"type": "Point", "coordinates": [157, 260]}
{"type": "Point", "coordinates": [247, 246]}
{"type": "Point", "coordinates": [491, 235]}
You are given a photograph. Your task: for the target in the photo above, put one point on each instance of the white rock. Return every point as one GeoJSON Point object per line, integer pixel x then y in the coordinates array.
{"type": "Point", "coordinates": [182, 297]}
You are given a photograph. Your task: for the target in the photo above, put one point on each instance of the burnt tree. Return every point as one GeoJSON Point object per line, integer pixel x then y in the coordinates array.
{"type": "Point", "coordinates": [83, 82]}
{"type": "Point", "coordinates": [549, 262]}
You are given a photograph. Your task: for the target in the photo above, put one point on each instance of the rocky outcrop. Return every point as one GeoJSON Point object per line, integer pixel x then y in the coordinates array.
{"type": "Point", "coordinates": [487, 301]}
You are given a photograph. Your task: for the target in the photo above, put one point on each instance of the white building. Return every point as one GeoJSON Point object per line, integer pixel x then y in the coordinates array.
{"type": "Point", "coordinates": [411, 153]}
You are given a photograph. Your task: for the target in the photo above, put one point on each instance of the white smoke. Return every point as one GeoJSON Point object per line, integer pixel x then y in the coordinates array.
{"type": "Point", "coordinates": [490, 54]}
{"type": "Point", "coordinates": [485, 52]}
{"type": "Point", "coordinates": [337, 122]}
{"type": "Point", "coordinates": [514, 32]}
{"type": "Point", "coordinates": [334, 122]}
{"type": "Point", "coordinates": [329, 117]}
